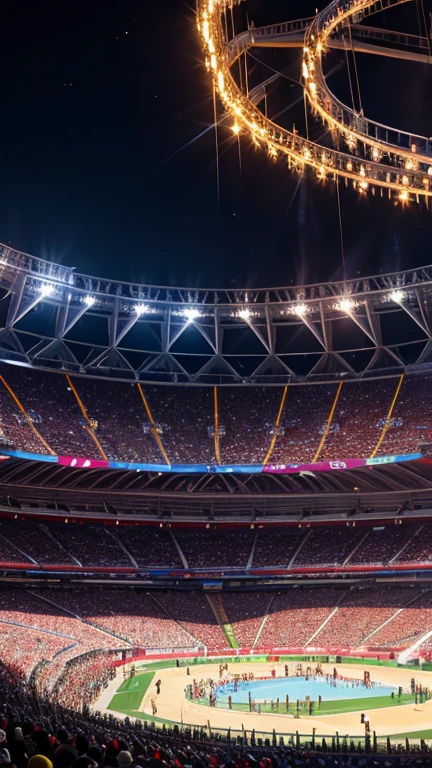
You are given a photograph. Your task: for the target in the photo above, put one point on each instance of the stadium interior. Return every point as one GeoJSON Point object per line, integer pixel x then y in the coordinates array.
{"type": "Point", "coordinates": [231, 477]}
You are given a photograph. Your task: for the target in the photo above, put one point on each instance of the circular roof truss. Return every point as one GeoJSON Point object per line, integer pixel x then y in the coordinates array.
{"type": "Point", "coordinates": [213, 336]}
{"type": "Point", "coordinates": [410, 153]}
{"type": "Point", "coordinates": [378, 158]}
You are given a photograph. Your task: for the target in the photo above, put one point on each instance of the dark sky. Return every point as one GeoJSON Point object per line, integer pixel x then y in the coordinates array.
{"type": "Point", "coordinates": [96, 96]}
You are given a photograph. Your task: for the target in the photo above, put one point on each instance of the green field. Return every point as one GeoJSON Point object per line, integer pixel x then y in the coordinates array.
{"type": "Point", "coordinates": [129, 696]}
{"type": "Point", "coordinates": [329, 707]}
{"type": "Point", "coordinates": [413, 735]}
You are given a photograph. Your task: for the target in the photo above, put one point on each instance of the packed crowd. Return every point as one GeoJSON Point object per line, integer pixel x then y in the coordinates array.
{"type": "Point", "coordinates": [329, 546]}
{"type": "Point", "coordinates": [385, 544]}
{"type": "Point", "coordinates": [195, 615]}
{"type": "Point", "coordinates": [178, 423]}
{"type": "Point", "coordinates": [247, 615]}
{"type": "Point", "coordinates": [140, 620]}
{"type": "Point", "coordinates": [333, 617]}
{"type": "Point", "coordinates": [32, 629]}
{"type": "Point", "coordinates": [276, 547]}
{"type": "Point", "coordinates": [360, 612]}
{"type": "Point", "coordinates": [150, 548]}
{"type": "Point", "coordinates": [329, 616]}
{"type": "Point", "coordinates": [303, 419]}
{"type": "Point", "coordinates": [36, 732]}
{"type": "Point", "coordinates": [52, 625]}
{"type": "Point", "coordinates": [204, 549]}
{"type": "Point", "coordinates": [134, 546]}
{"type": "Point", "coordinates": [408, 625]}
{"type": "Point", "coordinates": [295, 616]}
{"type": "Point", "coordinates": [359, 419]}
{"type": "Point", "coordinates": [81, 680]}
{"type": "Point", "coordinates": [248, 421]}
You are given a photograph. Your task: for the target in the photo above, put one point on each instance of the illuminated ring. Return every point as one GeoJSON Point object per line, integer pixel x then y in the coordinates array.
{"type": "Point", "coordinates": [355, 129]}
{"type": "Point", "coordinates": [299, 151]}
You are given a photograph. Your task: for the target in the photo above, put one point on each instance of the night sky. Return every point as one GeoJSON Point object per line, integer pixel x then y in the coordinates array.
{"type": "Point", "coordinates": [96, 99]}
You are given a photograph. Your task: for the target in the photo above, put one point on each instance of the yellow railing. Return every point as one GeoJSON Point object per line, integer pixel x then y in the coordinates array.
{"type": "Point", "coordinates": [386, 426]}
{"type": "Point", "coordinates": [84, 413]}
{"type": "Point", "coordinates": [329, 423]}
{"type": "Point", "coordinates": [216, 425]}
{"type": "Point", "coordinates": [277, 424]}
{"type": "Point", "coordinates": [26, 416]}
{"type": "Point", "coordinates": [154, 431]}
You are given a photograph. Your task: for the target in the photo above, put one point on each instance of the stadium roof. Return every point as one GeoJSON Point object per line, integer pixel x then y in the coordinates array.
{"type": "Point", "coordinates": [53, 317]}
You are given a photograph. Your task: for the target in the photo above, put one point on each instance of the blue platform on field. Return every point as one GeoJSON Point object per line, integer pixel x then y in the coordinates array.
{"type": "Point", "coordinates": [299, 688]}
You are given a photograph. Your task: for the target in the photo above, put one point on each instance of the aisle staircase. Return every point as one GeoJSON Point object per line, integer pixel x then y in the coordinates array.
{"type": "Point", "coordinates": [264, 621]}
{"type": "Point", "coordinates": [215, 603]}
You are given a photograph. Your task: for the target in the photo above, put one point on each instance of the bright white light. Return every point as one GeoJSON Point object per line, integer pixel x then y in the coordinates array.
{"type": "Point", "coordinates": [235, 129]}
{"type": "Point", "coordinates": [191, 314]}
{"type": "Point", "coordinates": [300, 310]}
{"type": "Point", "coordinates": [397, 296]}
{"type": "Point", "coordinates": [346, 305]}
{"type": "Point", "coordinates": [46, 290]}
{"type": "Point", "coordinates": [140, 309]}
{"type": "Point", "coordinates": [89, 300]}
{"type": "Point", "coordinates": [244, 314]}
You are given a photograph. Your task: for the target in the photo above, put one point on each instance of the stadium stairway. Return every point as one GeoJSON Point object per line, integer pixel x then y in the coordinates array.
{"type": "Point", "coordinates": [58, 544]}
{"type": "Point", "coordinates": [124, 548]}
{"type": "Point", "coordinates": [408, 541]}
{"type": "Point", "coordinates": [356, 548]}
{"type": "Point", "coordinates": [102, 630]}
{"type": "Point", "coordinates": [392, 618]}
{"type": "Point", "coordinates": [180, 552]}
{"type": "Point", "coordinates": [16, 549]}
{"type": "Point", "coordinates": [329, 618]}
{"type": "Point", "coordinates": [300, 547]}
{"type": "Point", "coordinates": [263, 623]}
{"type": "Point", "coordinates": [215, 603]}
{"type": "Point", "coordinates": [251, 556]}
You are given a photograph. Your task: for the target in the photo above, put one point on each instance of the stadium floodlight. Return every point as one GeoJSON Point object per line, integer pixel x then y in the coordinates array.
{"type": "Point", "coordinates": [46, 290]}
{"type": "Point", "coordinates": [89, 300]}
{"type": "Point", "coordinates": [190, 314]}
{"type": "Point", "coordinates": [346, 305]}
{"type": "Point", "coordinates": [300, 310]}
{"type": "Point", "coordinates": [397, 296]}
{"type": "Point", "coordinates": [140, 309]}
{"type": "Point", "coordinates": [244, 314]}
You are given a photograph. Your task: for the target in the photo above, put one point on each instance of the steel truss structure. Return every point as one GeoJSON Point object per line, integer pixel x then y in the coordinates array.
{"type": "Point", "coordinates": [211, 336]}
{"type": "Point", "coordinates": [309, 333]}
